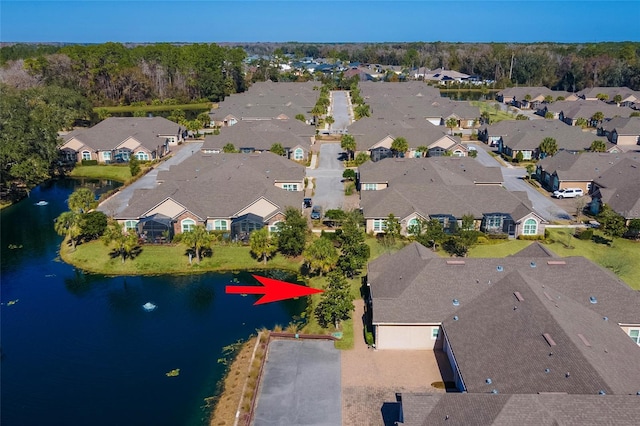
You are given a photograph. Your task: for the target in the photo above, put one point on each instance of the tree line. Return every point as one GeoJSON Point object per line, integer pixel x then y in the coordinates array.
{"type": "Point", "coordinates": [114, 74]}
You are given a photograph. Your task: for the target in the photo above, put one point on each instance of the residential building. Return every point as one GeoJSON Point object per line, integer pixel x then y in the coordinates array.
{"type": "Point", "coordinates": [619, 188]}
{"type": "Point", "coordinates": [624, 132]}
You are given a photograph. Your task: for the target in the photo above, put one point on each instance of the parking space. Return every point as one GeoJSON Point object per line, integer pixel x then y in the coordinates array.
{"type": "Point", "coordinates": [300, 384]}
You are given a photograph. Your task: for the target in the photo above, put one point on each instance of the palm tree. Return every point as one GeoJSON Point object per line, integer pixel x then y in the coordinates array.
{"type": "Point", "coordinates": [548, 147]}
{"type": "Point", "coordinates": [125, 242]}
{"type": "Point", "coordinates": [67, 225]}
{"type": "Point", "coordinates": [262, 245]}
{"type": "Point", "coordinates": [598, 146]}
{"type": "Point", "coordinates": [329, 120]}
{"type": "Point", "coordinates": [399, 145]}
{"type": "Point", "coordinates": [361, 111]}
{"type": "Point", "coordinates": [321, 255]}
{"type": "Point", "coordinates": [348, 143]}
{"type": "Point", "coordinates": [597, 118]}
{"type": "Point", "coordinates": [423, 150]}
{"type": "Point", "coordinates": [451, 123]}
{"type": "Point", "coordinates": [198, 239]}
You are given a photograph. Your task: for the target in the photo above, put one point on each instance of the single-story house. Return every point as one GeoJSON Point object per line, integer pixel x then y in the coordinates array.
{"type": "Point", "coordinates": [528, 97]}
{"type": "Point", "coordinates": [259, 136]}
{"type": "Point", "coordinates": [571, 170]}
{"type": "Point", "coordinates": [526, 324]}
{"type": "Point", "coordinates": [622, 131]}
{"type": "Point", "coordinates": [117, 139]}
{"type": "Point", "coordinates": [619, 188]}
{"type": "Point", "coordinates": [627, 96]}
{"type": "Point", "coordinates": [494, 209]}
{"type": "Point", "coordinates": [237, 193]}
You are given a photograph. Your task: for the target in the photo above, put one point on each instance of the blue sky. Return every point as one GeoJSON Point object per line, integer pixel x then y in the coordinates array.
{"type": "Point", "coordinates": [319, 21]}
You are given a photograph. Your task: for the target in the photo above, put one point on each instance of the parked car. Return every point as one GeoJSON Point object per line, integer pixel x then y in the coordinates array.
{"type": "Point", "coordinates": [568, 193]}
{"type": "Point", "coordinates": [316, 212]}
{"type": "Point", "coordinates": [307, 203]}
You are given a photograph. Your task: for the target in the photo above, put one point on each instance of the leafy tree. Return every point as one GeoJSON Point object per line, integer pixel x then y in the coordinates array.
{"type": "Point", "coordinates": [611, 223]}
{"type": "Point", "coordinates": [292, 233]}
{"type": "Point", "coordinates": [134, 166]}
{"type": "Point", "coordinates": [300, 117]}
{"type": "Point", "coordinates": [548, 115]}
{"type": "Point", "coordinates": [321, 255]}
{"type": "Point", "coordinates": [634, 228]}
{"type": "Point", "coordinates": [548, 99]}
{"type": "Point", "coordinates": [354, 250]}
{"type": "Point", "coordinates": [598, 146]}
{"type": "Point", "coordinates": [602, 96]}
{"type": "Point", "coordinates": [527, 97]}
{"type": "Point", "coordinates": [524, 117]}
{"type": "Point", "coordinates": [193, 125]}
{"type": "Point", "coordinates": [399, 146]}
{"type": "Point", "coordinates": [452, 123]}
{"type": "Point", "coordinates": [485, 117]}
{"type": "Point", "coordinates": [455, 247]}
{"type": "Point", "coordinates": [548, 147]}
{"type": "Point", "coordinates": [82, 200]}
{"type": "Point", "coordinates": [336, 301]}
{"type": "Point", "coordinates": [262, 244]}
{"type": "Point", "coordinates": [229, 148]}
{"type": "Point", "coordinates": [348, 143]}
{"type": "Point", "coordinates": [92, 225]}
{"type": "Point", "coordinates": [277, 149]}
{"type": "Point", "coordinates": [204, 119]}
{"type": "Point", "coordinates": [392, 230]}
{"type": "Point", "coordinates": [67, 225]}
{"type": "Point", "coordinates": [617, 99]}
{"type": "Point", "coordinates": [329, 120]}
{"type": "Point", "coordinates": [519, 157]}
{"type": "Point", "coordinates": [198, 239]}
{"type": "Point", "coordinates": [349, 174]}
{"type": "Point", "coordinates": [423, 150]}
{"type": "Point", "coordinates": [473, 153]}
{"type": "Point", "coordinates": [468, 223]}
{"type": "Point", "coordinates": [432, 234]}
{"type": "Point", "coordinates": [530, 169]}
{"type": "Point", "coordinates": [125, 244]}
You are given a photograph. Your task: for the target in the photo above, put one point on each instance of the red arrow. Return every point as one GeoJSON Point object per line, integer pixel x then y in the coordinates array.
{"type": "Point", "coordinates": [273, 290]}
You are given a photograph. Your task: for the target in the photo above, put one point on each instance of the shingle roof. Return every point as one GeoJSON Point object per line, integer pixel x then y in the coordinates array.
{"type": "Point", "coordinates": [220, 185]}
{"type": "Point", "coordinates": [462, 409]}
{"type": "Point", "coordinates": [518, 93]}
{"type": "Point", "coordinates": [261, 135]}
{"type": "Point", "coordinates": [441, 170]}
{"type": "Point", "coordinates": [620, 187]}
{"type": "Point", "coordinates": [623, 126]}
{"type": "Point", "coordinates": [586, 166]}
{"type": "Point", "coordinates": [625, 92]}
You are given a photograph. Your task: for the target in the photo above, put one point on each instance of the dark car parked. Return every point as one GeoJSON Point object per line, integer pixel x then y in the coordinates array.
{"type": "Point", "coordinates": [316, 212]}
{"type": "Point", "coordinates": [307, 203]}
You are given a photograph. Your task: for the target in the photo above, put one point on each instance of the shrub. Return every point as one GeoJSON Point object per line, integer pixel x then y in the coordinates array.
{"type": "Point", "coordinates": [531, 237]}
{"type": "Point", "coordinates": [368, 337]}
{"type": "Point", "coordinates": [585, 234]}
{"type": "Point", "coordinates": [89, 162]}
{"type": "Point", "coordinates": [497, 236]}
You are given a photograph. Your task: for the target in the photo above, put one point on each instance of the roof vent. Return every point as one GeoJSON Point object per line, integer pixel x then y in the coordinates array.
{"type": "Point", "coordinates": [499, 268]}
{"type": "Point", "coordinates": [605, 318]}
{"type": "Point", "coordinates": [547, 370]}
{"type": "Point", "coordinates": [593, 300]}
{"type": "Point", "coordinates": [519, 296]}
{"type": "Point", "coordinates": [488, 381]}
{"type": "Point", "coordinates": [455, 318]}
{"type": "Point", "coordinates": [455, 262]}
{"type": "Point", "coordinates": [533, 264]}
{"type": "Point", "coordinates": [456, 302]}
{"type": "Point", "coordinates": [494, 391]}
{"type": "Point", "coordinates": [601, 392]}
{"type": "Point", "coordinates": [548, 338]}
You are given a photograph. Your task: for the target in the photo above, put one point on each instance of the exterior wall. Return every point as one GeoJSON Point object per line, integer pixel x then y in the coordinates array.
{"type": "Point", "coordinates": [299, 183]}
{"type": "Point", "coordinates": [446, 347]}
{"type": "Point", "coordinates": [373, 186]}
{"type": "Point", "coordinates": [103, 159]}
{"type": "Point", "coordinates": [177, 225]}
{"type": "Point", "coordinates": [627, 329]}
{"type": "Point", "coordinates": [627, 140]}
{"type": "Point", "coordinates": [261, 208]}
{"type": "Point", "coordinates": [406, 337]}
{"type": "Point", "coordinates": [168, 208]}
{"type": "Point", "coordinates": [540, 226]}
{"type": "Point", "coordinates": [436, 121]}
{"type": "Point", "coordinates": [584, 185]}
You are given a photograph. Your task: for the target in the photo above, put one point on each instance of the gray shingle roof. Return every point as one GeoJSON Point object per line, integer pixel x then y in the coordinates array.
{"type": "Point", "coordinates": [624, 126]}
{"type": "Point", "coordinates": [261, 135]}
{"type": "Point", "coordinates": [220, 185]}
{"type": "Point", "coordinates": [620, 187]}
{"type": "Point", "coordinates": [586, 166]}
{"type": "Point", "coordinates": [524, 410]}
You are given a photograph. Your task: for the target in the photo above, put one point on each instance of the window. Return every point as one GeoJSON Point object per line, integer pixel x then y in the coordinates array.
{"type": "Point", "coordinates": [458, 153]}
{"type": "Point", "coordinates": [530, 227]}
{"type": "Point", "coordinates": [379, 225]}
{"type": "Point", "coordinates": [106, 155]}
{"type": "Point", "coordinates": [188, 225]}
{"type": "Point", "coordinates": [130, 225]}
{"type": "Point", "coordinates": [86, 155]}
{"type": "Point", "coordinates": [298, 154]}
{"type": "Point", "coordinates": [290, 186]}
{"type": "Point", "coordinates": [634, 333]}
{"type": "Point", "coordinates": [411, 224]}
{"type": "Point", "coordinates": [220, 225]}
{"type": "Point", "coordinates": [142, 156]}
{"type": "Point", "coordinates": [434, 333]}
{"type": "Point", "coordinates": [494, 221]}
{"type": "Point", "coordinates": [369, 187]}
{"type": "Point", "coordinates": [274, 227]}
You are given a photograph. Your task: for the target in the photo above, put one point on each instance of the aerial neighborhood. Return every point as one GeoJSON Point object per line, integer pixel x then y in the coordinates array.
{"type": "Point", "coordinates": [531, 335]}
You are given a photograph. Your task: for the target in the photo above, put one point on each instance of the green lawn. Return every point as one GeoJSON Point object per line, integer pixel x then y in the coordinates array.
{"type": "Point", "coordinates": [111, 172]}
{"type": "Point", "coordinates": [494, 115]}
{"type": "Point", "coordinates": [500, 248]}
{"type": "Point", "coordinates": [154, 108]}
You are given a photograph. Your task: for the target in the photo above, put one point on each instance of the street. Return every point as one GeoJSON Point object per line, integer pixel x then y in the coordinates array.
{"type": "Point", "coordinates": [329, 192]}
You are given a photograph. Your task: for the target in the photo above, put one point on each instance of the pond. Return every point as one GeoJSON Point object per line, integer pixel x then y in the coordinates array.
{"type": "Point", "coordinates": [80, 348]}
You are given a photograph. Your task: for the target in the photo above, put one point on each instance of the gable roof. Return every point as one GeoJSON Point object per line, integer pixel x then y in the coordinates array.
{"type": "Point", "coordinates": [261, 135]}
{"type": "Point", "coordinates": [619, 187]}
{"type": "Point", "coordinates": [624, 126]}
{"type": "Point", "coordinates": [586, 166]}
{"type": "Point", "coordinates": [231, 182]}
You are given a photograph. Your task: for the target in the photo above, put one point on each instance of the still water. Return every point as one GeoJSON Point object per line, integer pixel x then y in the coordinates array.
{"type": "Point", "coordinates": [79, 349]}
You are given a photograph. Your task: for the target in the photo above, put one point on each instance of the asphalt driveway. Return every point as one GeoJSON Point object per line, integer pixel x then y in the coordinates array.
{"type": "Point", "coordinates": [329, 190]}
{"type": "Point", "coordinates": [340, 110]}
{"type": "Point", "coordinates": [300, 385]}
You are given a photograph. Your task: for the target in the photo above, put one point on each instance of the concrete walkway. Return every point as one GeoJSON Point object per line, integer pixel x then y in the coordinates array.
{"type": "Point", "coordinates": [371, 378]}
